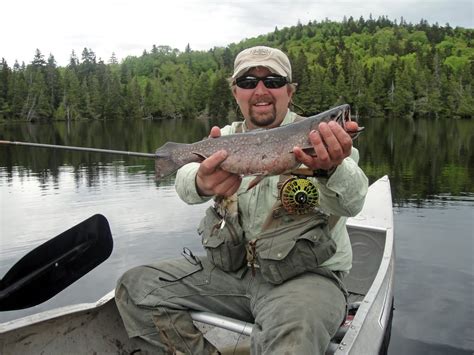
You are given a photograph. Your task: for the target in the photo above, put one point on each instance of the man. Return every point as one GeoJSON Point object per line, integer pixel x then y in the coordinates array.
{"type": "Point", "coordinates": [291, 290]}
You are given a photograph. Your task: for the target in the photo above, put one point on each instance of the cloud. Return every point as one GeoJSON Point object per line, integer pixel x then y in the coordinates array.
{"type": "Point", "coordinates": [129, 27]}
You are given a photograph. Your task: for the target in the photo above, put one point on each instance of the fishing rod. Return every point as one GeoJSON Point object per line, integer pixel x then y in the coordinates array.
{"type": "Point", "coordinates": [82, 149]}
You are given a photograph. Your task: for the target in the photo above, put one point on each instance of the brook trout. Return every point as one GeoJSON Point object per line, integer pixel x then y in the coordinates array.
{"type": "Point", "coordinates": [259, 152]}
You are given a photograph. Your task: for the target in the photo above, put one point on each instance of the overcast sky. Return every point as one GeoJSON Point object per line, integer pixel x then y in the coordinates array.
{"type": "Point", "coordinates": [129, 27]}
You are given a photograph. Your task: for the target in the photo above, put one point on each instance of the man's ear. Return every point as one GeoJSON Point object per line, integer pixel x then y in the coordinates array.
{"type": "Point", "coordinates": [290, 92]}
{"type": "Point", "coordinates": [291, 88]}
{"type": "Point", "coordinates": [234, 93]}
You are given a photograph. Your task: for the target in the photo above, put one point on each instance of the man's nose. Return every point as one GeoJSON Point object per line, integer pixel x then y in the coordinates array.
{"type": "Point", "coordinates": [261, 88]}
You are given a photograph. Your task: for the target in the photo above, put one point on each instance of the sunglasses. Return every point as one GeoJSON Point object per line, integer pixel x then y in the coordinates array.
{"type": "Point", "coordinates": [270, 82]}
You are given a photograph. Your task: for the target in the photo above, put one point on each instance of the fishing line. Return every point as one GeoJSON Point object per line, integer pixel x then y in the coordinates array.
{"type": "Point", "coordinates": [238, 339]}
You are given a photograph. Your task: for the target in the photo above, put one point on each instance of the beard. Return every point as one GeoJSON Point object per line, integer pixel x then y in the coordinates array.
{"type": "Point", "coordinates": [262, 120]}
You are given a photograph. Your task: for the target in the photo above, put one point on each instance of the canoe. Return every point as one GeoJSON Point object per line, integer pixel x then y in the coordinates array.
{"type": "Point", "coordinates": [96, 328]}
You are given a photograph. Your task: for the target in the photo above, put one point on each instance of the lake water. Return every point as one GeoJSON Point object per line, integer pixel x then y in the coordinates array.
{"type": "Point", "coordinates": [430, 165]}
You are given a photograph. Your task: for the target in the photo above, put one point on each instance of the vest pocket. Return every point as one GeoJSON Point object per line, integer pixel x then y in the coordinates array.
{"type": "Point", "coordinates": [293, 252]}
{"type": "Point", "coordinates": [223, 240]}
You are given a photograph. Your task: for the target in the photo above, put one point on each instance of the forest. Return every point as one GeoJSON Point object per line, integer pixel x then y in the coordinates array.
{"type": "Point", "coordinates": [380, 67]}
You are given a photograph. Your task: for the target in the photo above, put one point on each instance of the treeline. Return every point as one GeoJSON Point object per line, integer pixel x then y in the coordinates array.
{"type": "Point", "coordinates": [380, 67]}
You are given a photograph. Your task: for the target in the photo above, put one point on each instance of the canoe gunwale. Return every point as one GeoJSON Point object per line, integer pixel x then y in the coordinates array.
{"type": "Point", "coordinates": [359, 339]}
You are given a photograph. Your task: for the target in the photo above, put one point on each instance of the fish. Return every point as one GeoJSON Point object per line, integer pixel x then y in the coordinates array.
{"type": "Point", "coordinates": [259, 152]}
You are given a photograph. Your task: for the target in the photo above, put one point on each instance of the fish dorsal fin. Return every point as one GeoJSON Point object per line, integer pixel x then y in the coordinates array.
{"type": "Point", "coordinates": [166, 149]}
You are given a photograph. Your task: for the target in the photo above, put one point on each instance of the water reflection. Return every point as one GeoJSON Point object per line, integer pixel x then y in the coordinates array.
{"type": "Point", "coordinates": [146, 221]}
{"type": "Point", "coordinates": [423, 158]}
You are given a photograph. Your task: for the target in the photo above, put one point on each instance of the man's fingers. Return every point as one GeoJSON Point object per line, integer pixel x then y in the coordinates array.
{"type": "Point", "coordinates": [352, 127]}
{"type": "Point", "coordinates": [210, 165]}
{"type": "Point", "coordinates": [321, 157]}
{"type": "Point", "coordinates": [229, 186]}
{"type": "Point", "coordinates": [343, 137]}
{"type": "Point", "coordinates": [302, 157]}
{"type": "Point", "coordinates": [215, 132]}
{"type": "Point", "coordinates": [333, 145]}
{"type": "Point", "coordinates": [319, 146]}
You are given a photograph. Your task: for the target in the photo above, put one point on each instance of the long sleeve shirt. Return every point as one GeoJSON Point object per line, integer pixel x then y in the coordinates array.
{"type": "Point", "coordinates": [342, 194]}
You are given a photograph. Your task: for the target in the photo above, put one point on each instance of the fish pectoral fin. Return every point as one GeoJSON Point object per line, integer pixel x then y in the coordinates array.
{"type": "Point", "coordinates": [200, 156]}
{"type": "Point", "coordinates": [308, 150]}
{"type": "Point", "coordinates": [260, 174]}
{"type": "Point", "coordinates": [302, 172]}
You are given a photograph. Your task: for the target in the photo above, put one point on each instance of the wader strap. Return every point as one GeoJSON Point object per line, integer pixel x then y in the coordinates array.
{"type": "Point", "coordinates": [332, 221]}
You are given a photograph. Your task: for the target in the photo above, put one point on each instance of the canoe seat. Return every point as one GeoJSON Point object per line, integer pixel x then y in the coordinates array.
{"type": "Point", "coordinates": [236, 333]}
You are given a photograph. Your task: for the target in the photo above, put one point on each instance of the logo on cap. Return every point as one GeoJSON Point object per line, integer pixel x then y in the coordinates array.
{"type": "Point", "coordinates": [261, 51]}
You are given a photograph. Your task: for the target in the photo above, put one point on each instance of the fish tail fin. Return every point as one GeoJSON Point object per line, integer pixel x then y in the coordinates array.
{"type": "Point", "coordinates": [165, 164]}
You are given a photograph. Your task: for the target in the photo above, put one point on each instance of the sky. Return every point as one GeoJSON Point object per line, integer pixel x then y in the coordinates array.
{"type": "Point", "coordinates": [129, 27]}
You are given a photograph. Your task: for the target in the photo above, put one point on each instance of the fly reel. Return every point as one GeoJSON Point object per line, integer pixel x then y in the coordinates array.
{"type": "Point", "coordinates": [299, 195]}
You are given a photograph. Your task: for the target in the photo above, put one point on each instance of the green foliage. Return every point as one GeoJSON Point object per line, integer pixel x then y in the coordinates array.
{"type": "Point", "coordinates": [220, 98]}
{"type": "Point", "coordinates": [380, 67]}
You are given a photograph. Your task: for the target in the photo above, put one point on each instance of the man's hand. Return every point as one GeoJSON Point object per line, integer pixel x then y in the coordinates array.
{"type": "Point", "coordinates": [332, 144]}
{"type": "Point", "coordinates": [211, 179]}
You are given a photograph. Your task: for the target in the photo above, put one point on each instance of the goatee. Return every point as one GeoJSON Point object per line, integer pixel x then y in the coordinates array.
{"type": "Point", "coordinates": [262, 121]}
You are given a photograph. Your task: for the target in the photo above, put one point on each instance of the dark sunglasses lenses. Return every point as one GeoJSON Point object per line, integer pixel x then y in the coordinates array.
{"type": "Point", "coordinates": [270, 82]}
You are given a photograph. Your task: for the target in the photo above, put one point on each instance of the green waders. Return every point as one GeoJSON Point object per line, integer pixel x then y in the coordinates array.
{"type": "Point", "coordinates": [298, 316]}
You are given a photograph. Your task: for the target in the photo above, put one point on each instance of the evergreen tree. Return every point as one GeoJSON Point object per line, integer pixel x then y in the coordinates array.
{"type": "Point", "coordinates": [113, 100]}
{"type": "Point", "coordinates": [53, 83]}
{"type": "Point", "coordinates": [37, 105]}
{"type": "Point", "coordinates": [376, 65]}
{"type": "Point", "coordinates": [133, 98]}
{"type": "Point", "coordinates": [5, 100]}
{"type": "Point", "coordinates": [220, 96]}
{"type": "Point", "coordinates": [113, 59]}
{"type": "Point", "coordinates": [402, 104]}
{"type": "Point", "coordinates": [18, 91]}
{"type": "Point", "coordinates": [69, 107]}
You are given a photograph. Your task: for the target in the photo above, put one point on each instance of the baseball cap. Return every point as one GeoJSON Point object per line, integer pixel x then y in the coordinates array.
{"type": "Point", "coordinates": [261, 56]}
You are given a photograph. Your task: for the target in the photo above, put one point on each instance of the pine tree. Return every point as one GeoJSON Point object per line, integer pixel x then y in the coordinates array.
{"type": "Point", "coordinates": [133, 98]}
{"type": "Point", "coordinates": [5, 78]}
{"type": "Point", "coordinates": [53, 83]}
{"type": "Point", "coordinates": [18, 91]}
{"type": "Point", "coordinates": [220, 96]}
{"type": "Point", "coordinates": [200, 93]}
{"type": "Point", "coordinates": [113, 101]}
{"type": "Point", "coordinates": [402, 104]}
{"type": "Point", "coordinates": [69, 106]}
